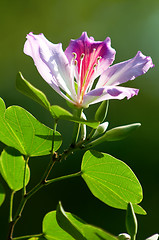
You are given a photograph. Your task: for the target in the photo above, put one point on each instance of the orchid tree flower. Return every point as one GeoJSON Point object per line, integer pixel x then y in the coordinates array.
{"type": "Point", "coordinates": [72, 73]}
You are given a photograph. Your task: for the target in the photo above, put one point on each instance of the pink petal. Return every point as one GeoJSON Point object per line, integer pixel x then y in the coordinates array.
{"type": "Point", "coordinates": [110, 92]}
{"type": "Point", "coordinates": [91, 50]}
{"type": "Point", "coordinates": [124, 71]}
{"type": "Point", "coordinates": [92, 96]}
{"type": "Point", "coordinates": [51, 62]}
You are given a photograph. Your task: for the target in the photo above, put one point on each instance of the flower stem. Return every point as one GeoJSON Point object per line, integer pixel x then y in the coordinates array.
{"type": "Point", "coordinates": [76, 129]}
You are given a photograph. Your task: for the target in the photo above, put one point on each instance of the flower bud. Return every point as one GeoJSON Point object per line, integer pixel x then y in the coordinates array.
{"type": "Point", "coordinates": [101, 129]}
{"type": "Point", "coordinates": [102, 111]}
{"type": "Point", "coordinates": [131, 221]}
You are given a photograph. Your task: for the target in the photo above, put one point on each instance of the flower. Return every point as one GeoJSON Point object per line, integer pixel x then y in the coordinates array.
{"type": "Point", "coordinates": [72, 73]}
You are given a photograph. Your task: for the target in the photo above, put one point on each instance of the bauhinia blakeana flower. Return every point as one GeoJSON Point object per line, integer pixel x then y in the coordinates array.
{"type": "Point", "coordinates": [72, 73]}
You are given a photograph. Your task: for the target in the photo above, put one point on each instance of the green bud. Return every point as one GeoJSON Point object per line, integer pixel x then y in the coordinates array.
{"type": "Point", "coordinates": [102, 111]}
{"type": "Point", "coordinates": [101, 129]}
{"type": "Point", "coordinates": [121, 132]}
{"type": "Point", "coordinates": [131, 221]}
{"type": "Point", "coordinates": [115, 134]}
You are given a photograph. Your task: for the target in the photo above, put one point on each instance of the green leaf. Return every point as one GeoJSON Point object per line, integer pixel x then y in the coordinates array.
{"type": "Point", "coordinates": [116, 134]}
{"type": "Point", "coordinates": [91, 232]}
{"type": "Point", "coordinates": [102, 111]}
{"type": "Point", "coordinates": [131, 221]}
{"type": "Point", "coordinates": [111, 180]}
{"type": "Point", "coordinates": [78, 228]}
{"type": "Point", "coordinates": [71, 224]}
{"type": "Point", "coordinates": [12, 165]}
{"type": "Point", "coordinates": [138, 209]}
{"type": "Point", "coordinates": [6, 134]}
{"type": "Point", "coordinates": [20, 130]}
{"type": "Point", "coordinates": [2, 194]}
{"type": "Point", "coordinates": [51, 229]}
{"type": "Point", "coordinates": [29, 90]}
{"type": "Point", "coordinates": [68, 224]}
{"type": "Point", "coordinates": [60, 113]}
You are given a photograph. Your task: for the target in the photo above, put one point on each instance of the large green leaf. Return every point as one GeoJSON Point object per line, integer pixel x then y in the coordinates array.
{"type": "Point", "coordinates": [91, 232]}
{"type": "Point", "coordinates": [2, 194]}
{"type": "Point", "coordinates": [61, 113]}
{"type": "Point", "coordinates": [29, 90]}
{"type": "Point", "coordinates": [70, 223]}
{"type": "Point", "coordinates": [12, 165]}
{"type": "Point", "coordinates": [79, 229]}
{"type": "Point", "coordinates": [20, 130]}
{"type": "Point", "coordinates": [61, 225]}
{"type": "Point", "coordinates": [51, 229]}
{"type": "Point", "coordinates": [111, 180]}
{"type": "Point", "coordinates": [6, 133]}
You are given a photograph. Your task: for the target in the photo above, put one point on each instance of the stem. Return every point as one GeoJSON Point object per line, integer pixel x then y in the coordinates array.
{"type": "Point", "coordinates": [76, 129]}
{"type": "Point", "coordinates": [24, 187]}
{"type": "Point", "coordinates": [52, 159]}
{"type": "Point", "coordinates": [63, 178]}
{"type": "Point", "coordinates": [28, 236]}
{"type": "Point", "coordinates": [25, 196]}
{"type": "Point", "coordinates": [11, 206]}
{"type": "Point", "coordinates": [44, 181]}
{"type": "Point", "coordinates": [53, 136]}
{"type": "Point", "coordinates": [133, 237]}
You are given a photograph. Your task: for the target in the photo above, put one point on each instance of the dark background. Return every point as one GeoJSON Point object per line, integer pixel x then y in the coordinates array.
{"type": "Point", "coordinates": [132, 26]}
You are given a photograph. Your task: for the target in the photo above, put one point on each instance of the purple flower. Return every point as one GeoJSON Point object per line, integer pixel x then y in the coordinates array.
{"type": "Point", "coordinates": [72, 73]}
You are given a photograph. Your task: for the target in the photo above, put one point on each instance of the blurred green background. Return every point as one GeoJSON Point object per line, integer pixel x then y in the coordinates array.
{"type": "Point", "coordinates": [132, 26]}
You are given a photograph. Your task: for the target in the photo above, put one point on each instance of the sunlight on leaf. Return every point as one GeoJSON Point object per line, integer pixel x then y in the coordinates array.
{"type": "Point", "coordinates": [12, 166]}
{"type": "Point", "coordinates": [21, 130]}
{"type": "Point", "coordinates": [2, 194]}
{"type": "Point", "coordinates": [51, 229]}
{"type": "Point", "coordinates": [79, 229]}
{"type": "Point", "coordinates": [29, 90]}
{"type": "Point", "coordinates": [61, 113]}
{"type": "Point", "coordinates": [111, 180]}
{"type": "Point", "coordinates": [69, 223]}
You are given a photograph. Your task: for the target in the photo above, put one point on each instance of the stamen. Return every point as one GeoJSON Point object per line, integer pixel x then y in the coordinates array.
{"type": "Point", "coordinates": [74, 55]}
{"type": "Point", "coordinates": [75, 62]}
{"type": "Point", "coordinates": [94, 66]}
{"type": "Point", "coordinates": [98, 58]}
{"type": "Point", "coordinates": [82, 56]}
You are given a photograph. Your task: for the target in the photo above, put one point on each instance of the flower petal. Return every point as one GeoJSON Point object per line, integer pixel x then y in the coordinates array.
{"type": "Point", "coordinates": [110, 92]}
{"type": "Point", "coordinates": [51, 63]}
{"type": "Point", "coordinates": [92, 96]}
{"type": "Point", "coordinates": [124, 71]}
{"type": "Point", "coordinates": [98, 53]}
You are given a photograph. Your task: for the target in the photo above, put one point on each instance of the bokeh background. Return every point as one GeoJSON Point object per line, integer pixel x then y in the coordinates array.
{"type": "Point", "coordinates": [132, 26]}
